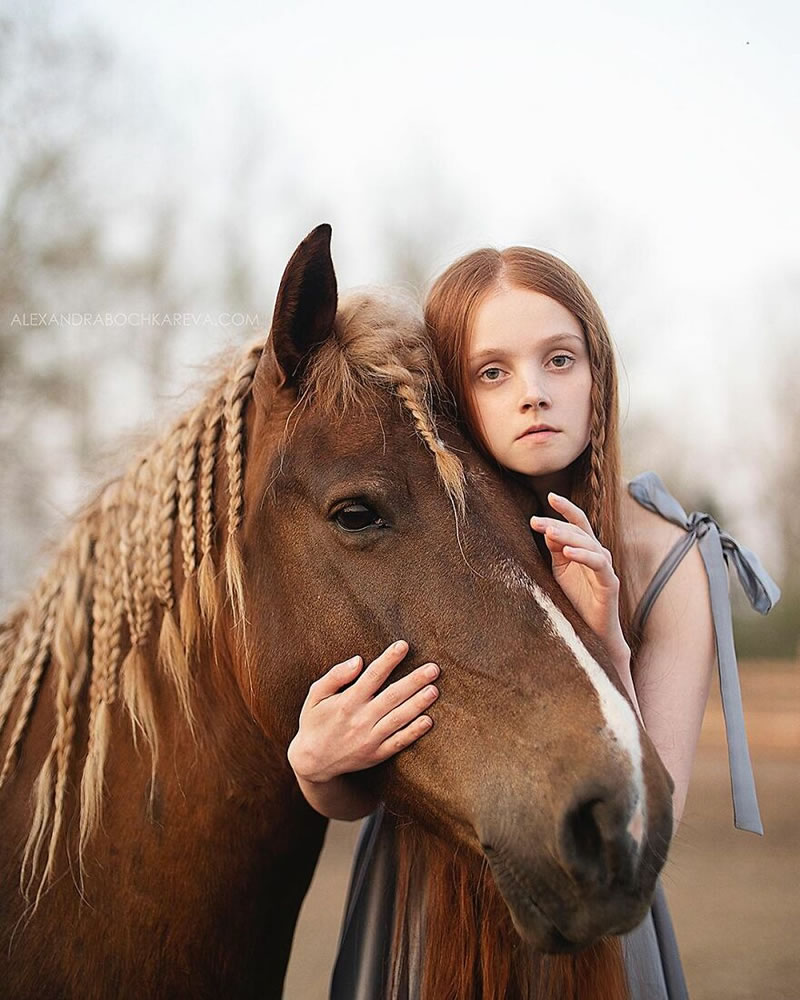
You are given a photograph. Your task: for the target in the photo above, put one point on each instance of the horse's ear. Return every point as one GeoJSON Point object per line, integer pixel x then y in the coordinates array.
{"type": "Point", "coordinates": [305, 310]}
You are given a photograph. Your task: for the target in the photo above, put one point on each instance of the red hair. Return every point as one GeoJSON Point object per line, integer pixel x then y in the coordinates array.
{"type": "Point", "coordinates": [450, 310]}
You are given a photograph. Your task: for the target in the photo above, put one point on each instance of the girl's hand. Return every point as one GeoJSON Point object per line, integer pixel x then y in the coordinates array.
{"type": "Point", "coordinates": [584, 571]}
{"type": "Point", "coordinates": [345, 731]}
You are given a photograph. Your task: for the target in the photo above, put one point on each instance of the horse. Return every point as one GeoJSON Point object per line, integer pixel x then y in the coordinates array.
{"type": "Point", "coordinates": [321, 498]}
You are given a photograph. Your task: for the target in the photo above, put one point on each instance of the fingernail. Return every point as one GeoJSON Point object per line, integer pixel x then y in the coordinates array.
{"type": "Point", "coordinates": [432, 671]}
{"type": "Point", "coordinates": [400, 643]}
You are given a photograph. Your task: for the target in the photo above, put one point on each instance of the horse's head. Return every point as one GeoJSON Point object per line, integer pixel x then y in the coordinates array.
{"type": "Point", "coordinates": [353, 534]}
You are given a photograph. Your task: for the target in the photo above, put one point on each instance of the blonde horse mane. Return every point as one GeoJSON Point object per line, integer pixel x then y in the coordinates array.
{"type": "Point", "coordinates": [114, 571]}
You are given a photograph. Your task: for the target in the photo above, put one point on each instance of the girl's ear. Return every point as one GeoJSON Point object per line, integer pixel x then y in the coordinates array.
{"type": "Point", "coordinates": [305, 309]}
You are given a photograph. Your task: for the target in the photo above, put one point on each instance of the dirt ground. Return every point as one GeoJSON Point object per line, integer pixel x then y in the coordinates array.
{"type": "Point", "coordinates": [734, 896]}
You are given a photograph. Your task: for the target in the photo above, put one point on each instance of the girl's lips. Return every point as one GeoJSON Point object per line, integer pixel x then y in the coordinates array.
{"type": "Point", "coordinates": [537, 434]}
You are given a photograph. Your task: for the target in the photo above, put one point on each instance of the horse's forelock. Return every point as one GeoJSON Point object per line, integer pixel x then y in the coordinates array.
{"type": "Point", "coordinates": [380, 344]}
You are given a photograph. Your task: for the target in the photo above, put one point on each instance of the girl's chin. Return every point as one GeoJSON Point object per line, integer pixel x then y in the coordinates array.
{"type": "Point", "coordinates": [537, 471]}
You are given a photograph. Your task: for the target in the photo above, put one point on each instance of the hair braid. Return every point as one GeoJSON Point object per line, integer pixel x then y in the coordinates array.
{"type": "Point", "coordinates": [9, 637]}
{"type": "Point", "coordinates": [35, 652]}
{"type": "Point", "coordinates": [187, 490]}
{"type": "Point", "coordinates": [102, 601]}
{"type": "Point", "coordinates": [238, 388]}
{"type": "Point", "coordinates": [71, 653]}
{"type": "Point", "coordinates": [108, 611]}
{"type": "Point", "coordinates": [170, 647]}
{"type": "Point", "coordinates": [597, 441]}
{"type": "Point", "coordinates": [128, 520]}
{"type": "Point", "coordinates": [121, 559]}
{"type": "Point", "coordinates": [206, 575]}
{"type": "Point", "coordinates": [26, 643]}
{"type": "Point", "coordinates": [133, 673]}
{"type": "Point", "coordinates": [449, 465]}
{"type": "Point", "coordinates": [114, 576]}
{"type": "Point", "coordinates": [24, 649]}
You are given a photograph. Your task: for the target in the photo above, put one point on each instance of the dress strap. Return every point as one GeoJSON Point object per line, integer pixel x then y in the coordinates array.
{"type": "Point", "coordinates": [717, 548]}
{"type": "Point", "coordinates": [665, 570]}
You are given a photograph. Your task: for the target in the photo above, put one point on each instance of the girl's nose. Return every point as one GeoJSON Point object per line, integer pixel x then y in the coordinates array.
{"type": "Point", "coordinates": [534, 395]}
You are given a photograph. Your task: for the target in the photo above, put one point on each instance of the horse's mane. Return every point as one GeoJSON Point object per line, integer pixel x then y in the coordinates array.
{"type": "Point", "coordinates": [471, 949]}
{"type": "Point", "coordinates": [113, 574]}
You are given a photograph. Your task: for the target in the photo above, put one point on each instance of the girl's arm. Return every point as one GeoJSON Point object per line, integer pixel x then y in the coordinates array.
{"type": "Point", "coordinates": [668, 685]}
{"type": "Point", "coordinates": [338, 798]}
{"type": "Point", "coordinates": [673, 670]}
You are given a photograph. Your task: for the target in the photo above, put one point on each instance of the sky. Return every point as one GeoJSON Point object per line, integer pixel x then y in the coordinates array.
{"type": "Point", "coordinates": [680, 122]}
{"type": "Point", "coordinates": [655, 147]}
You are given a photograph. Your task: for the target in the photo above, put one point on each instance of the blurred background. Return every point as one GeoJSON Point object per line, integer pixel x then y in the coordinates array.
{"type": "Point", "coordinates": [160, 162]}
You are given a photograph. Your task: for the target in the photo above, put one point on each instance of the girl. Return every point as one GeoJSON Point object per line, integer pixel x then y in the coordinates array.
{"type": "Point", "coordinates": [527, 355]}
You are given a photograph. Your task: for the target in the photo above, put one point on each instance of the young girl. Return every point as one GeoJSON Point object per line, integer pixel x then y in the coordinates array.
{"type": "Point", "coordinates": [526, 353]}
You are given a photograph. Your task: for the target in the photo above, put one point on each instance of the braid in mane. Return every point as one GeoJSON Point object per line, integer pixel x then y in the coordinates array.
{"type": "Point", "coordinates": [33, 654]}
{"type": "Point", "coordinates": [381, 344]}
{"type": "Point", "coordinates": [187, 490]}
{"type": "Point", "coordinates": [206, 575]}
{"type": "Point", "coordinates": [170, 648]}
{"type": "Point", "coordinates": [237, 391]}
{"type": "Point", "coordinates": [71, 653]}
{"type": "Point", "coordinates": [136, 695]}
{"type": "Point", "coordinates": [107, 613]}
{"type": "Point", "coordinates": [91, 617]}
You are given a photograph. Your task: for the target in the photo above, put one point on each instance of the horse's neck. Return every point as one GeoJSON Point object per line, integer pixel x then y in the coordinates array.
{"type": "Point", "coordinates": [215, 854]}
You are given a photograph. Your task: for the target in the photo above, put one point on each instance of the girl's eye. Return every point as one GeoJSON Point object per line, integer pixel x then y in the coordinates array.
{"type": "Point", "coordinates": [566, 358]}
{"type": "Point", "coordinates": [486, 372]}
{"type": "Point", "coordinates": [357, 517]}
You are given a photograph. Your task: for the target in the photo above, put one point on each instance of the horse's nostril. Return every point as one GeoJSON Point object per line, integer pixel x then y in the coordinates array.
{"type": "Point", "coordinates": [582, 843]}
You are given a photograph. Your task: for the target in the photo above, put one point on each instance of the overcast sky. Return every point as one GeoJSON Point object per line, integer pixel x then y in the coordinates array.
{"type": "Point", "coordinates": [682, 123]}
{"type": "Point", "coordinates": [655, 147]}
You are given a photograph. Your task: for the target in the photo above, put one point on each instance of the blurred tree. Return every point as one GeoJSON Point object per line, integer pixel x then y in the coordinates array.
{"type": "Point", "coordinates": [57, 260]}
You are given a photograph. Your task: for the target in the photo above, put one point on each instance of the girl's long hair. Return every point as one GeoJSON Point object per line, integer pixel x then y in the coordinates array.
{"type": "Point", "coordinates": [450, 310]}
{"type": "Point", "coordinates": [471, 950]}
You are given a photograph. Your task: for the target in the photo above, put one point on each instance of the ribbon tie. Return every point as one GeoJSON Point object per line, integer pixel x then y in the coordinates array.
{"type": "Point", "coordinates": [717, 548]}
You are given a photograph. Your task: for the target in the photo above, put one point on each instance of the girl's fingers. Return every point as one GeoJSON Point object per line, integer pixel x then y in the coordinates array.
{"type": "Point", "coordinates": [379, 669]}
{"type": "Point", "coordinates": [404, 737]}
{"type": "Point", "coordinates": [405, 713]}
{"type": "Point", "coordinates": [588, 557]}
{"type": "Point", "coordinates": [330, 682]}
{"type": "Point", "coordinates": [403, 689]}
{"type": "Point", "coordinates": [564, 533]}
{"type": "Point", "coordinates": [571, 511]}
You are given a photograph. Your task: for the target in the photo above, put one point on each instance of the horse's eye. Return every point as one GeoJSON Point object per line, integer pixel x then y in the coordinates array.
{"type": "Point", "coordinates": [357, 516]}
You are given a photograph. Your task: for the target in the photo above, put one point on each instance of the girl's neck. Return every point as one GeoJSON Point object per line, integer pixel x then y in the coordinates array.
{"type": "Point", "coordinates": [556, 482]}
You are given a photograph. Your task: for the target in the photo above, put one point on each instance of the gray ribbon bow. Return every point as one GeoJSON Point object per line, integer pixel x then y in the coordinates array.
{"type": "Point", "coordinates": [717, 547]}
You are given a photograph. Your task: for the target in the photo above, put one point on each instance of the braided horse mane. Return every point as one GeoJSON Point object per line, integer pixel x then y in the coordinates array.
{"type": "Point", "coordinates": [90, 617]}
{"type": "Point", "coordinates": [142, 577]}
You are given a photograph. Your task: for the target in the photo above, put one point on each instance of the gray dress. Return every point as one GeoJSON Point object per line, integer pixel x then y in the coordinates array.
{"type": "Point", "coordinates": [652, 960]}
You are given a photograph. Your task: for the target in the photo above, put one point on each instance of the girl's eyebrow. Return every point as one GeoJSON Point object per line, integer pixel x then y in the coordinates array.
{"type": "Point", "coordinates": [494, 352]}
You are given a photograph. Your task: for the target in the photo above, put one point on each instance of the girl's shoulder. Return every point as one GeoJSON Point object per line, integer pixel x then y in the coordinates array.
{"type": "Point", "coordinates": [647, 537]}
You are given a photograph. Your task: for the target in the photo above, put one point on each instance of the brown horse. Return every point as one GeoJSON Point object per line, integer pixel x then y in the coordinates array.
{"type": "Point", "coordinates": [319, 500]}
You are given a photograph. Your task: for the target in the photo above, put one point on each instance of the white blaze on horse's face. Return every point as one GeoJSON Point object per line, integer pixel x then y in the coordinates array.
{"type": "Point", "coordinates": [620, 719]}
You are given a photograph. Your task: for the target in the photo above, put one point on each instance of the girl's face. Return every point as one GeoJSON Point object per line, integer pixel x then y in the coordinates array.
{"type": "Point", "coordinates": [528, 364]}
